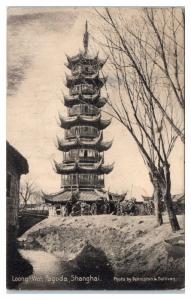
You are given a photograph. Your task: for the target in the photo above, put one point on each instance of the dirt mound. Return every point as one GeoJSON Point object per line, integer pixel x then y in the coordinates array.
{"type": "Point", "coordinates": [127, 246]}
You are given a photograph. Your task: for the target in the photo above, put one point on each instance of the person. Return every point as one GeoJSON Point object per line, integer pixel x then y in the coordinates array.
{"type": "Point", "coordinates": [64, 211]}
{"type": "Point", "coordinates": [51, 211]}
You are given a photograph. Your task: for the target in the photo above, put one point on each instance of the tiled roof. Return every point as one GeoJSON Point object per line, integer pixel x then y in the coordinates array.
{"type": "Point", "coordinates": [18, 159]}
{"type": "Point", "coordinates": [91, 196]}
{"type": "Point", "coordinates": [64, 196]}
{"type": "Point", "coordinates": [175, 198]}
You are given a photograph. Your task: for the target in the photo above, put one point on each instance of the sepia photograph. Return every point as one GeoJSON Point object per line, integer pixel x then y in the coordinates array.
{"type": "Point", "coordinates": [95, 130]}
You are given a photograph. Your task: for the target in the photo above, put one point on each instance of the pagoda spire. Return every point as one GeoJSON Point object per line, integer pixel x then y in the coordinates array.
{"type": "Point", "coordinates": [86, 38]}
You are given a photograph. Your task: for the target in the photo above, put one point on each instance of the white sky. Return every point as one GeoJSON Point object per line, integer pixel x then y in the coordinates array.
{"type": "Point", "coordinates": [36, 51]}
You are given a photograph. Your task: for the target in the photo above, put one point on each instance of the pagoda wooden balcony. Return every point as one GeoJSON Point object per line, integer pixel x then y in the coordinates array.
{"type": "Point", "coordinates": [82, 132]}
{"type": "Point", "coordinates": [81, 159]}
{"type": "Point", "coordinates": [85, 69]}
{"type": "Point", "coordinates": [83, 109]}
{"type": "Point", "coordinates": [73, 181]}
{"type": "Point", "coordinates": [69, 158]}
{"type": "Point", "coordinates": [88, 89]}
{"type": "Point", "coordinates": [83, 155]}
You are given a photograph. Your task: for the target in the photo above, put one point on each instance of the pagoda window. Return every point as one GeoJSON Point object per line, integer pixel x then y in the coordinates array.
{"type": "Point", "coordinates": [65, 180]}
{"type": "Point", "coordinates": [73, 153]}
{"type": "Point", "coordinates": [69, 179]}
{"type": "Point", "coordinates": [85, 153]}
{"type": "Point", "coordinates": [81, 153]}
{"type": "Point", "coordinates": [78, 109]}
{"type": "Point", "coordinates": [65, 156]}
{"type": "Point", "coordinates": [74, 179]}
{"type": "Point", "coordinates": [90, 153]}
{"type": "Point", "coordinates": [77, 131]}
{"type": "Point", "coordinates": [76, 88]}
{"type": "Point", "coordinates": [86, 109]}
{"type": "Point", "coordinates": [93, 110]}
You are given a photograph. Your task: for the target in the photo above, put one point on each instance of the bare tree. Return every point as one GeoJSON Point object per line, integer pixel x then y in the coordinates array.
{"type": "Point", "coordinates": [160, 32]}
{"type": "Point", "coordinates": [166, 36]}
{"type": "Point", "coordinates": [139, 86]}
{"type": "Point", "coordinates": [27, 189]}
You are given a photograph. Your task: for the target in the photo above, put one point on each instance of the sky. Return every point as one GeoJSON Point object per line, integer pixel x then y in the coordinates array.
{"type": "Point", "coordinates": [38, 40]}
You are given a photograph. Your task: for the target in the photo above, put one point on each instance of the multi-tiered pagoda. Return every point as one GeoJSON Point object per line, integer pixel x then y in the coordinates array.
{"type": "Point", "coordinates": [83, 146]}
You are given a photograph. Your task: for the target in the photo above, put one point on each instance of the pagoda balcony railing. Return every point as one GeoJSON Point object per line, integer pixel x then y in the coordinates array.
{"type": "Point", "coordinates": [81, 131]}
{"type": "Point", "coordinates": [83, 155]}
{"type": "Point", "coordinates": [86, 184]}
{"type": "Point", "coordinates": [88, 89]}
{"type": "Point", "coordinates": [83, 180]}
{"type": "Point", "coordinates": [82, 159]}
{"type": "Point", "coordinates": [83, 109]}
{"type": "Point", "coordinates": [85, 69]}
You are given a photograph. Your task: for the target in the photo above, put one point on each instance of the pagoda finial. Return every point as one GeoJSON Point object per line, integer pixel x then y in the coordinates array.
{"type": "Point", "coordinates": [86, 38]}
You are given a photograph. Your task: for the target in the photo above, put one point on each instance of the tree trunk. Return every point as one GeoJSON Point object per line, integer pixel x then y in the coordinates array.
{"type": "Point", "coordinates": [157, 195]}
{"type": "Point", "coordinates": [168, 201]}
{"type": "Point", "coordinates": [157, 202]}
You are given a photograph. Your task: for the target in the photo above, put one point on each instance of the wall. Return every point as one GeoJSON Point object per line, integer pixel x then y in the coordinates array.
{"type": "Point", "coordinates": [13, 197]}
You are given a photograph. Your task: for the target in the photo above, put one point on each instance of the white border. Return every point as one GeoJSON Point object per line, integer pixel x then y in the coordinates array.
{"type": "Point", "coordinates": [3, 5]}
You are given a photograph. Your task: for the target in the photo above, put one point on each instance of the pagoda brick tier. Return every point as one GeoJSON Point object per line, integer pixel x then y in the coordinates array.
{"type": "Point", "coordinates": [82, 169]}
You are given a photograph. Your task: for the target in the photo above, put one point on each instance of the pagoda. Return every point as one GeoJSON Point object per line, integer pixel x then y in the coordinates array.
{"type": "Point", "coordinates": [82, 168]}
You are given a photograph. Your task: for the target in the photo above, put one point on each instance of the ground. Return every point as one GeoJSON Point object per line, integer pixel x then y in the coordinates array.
{"type": "Point", "coordinates": [133, 245]}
